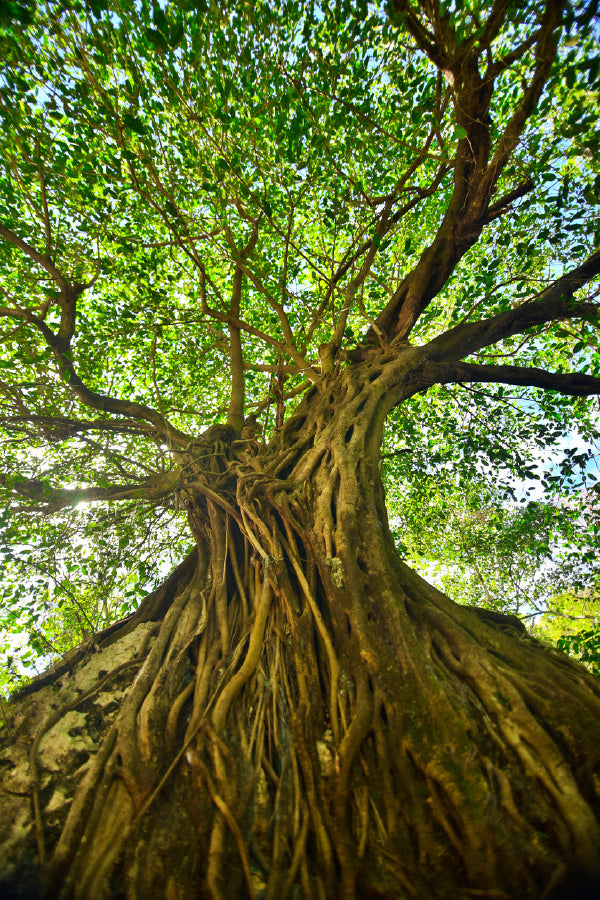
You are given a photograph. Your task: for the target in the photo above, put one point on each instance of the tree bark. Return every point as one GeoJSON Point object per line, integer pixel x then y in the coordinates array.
{"type": "Point", "coordinates": [297, 713]}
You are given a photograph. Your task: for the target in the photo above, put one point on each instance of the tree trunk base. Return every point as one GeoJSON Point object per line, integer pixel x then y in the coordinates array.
{"type": "Point", "coordinates": [295, 713]}
{"type": "Point", "coordinates": [467, 769]}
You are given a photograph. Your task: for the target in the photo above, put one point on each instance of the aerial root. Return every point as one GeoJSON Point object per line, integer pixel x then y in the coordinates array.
{"type": "Point", "coordinates": [308, 770]}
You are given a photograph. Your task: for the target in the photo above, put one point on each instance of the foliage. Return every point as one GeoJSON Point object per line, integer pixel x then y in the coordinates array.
{"type": "Point", "coordinates": [75, 574]}
{"type": "Point", "coordinates": [502, 518]}
{"type": "Point", "coordinates": [571, 624]}
{"type": "Point", "coordinates": [585, 646]}
{"type": "Point", "coordinates": [153, 154]}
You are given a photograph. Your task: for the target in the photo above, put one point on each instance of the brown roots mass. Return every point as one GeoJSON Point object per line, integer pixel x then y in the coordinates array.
{"type": "Point", "coordinates": [297, 714]}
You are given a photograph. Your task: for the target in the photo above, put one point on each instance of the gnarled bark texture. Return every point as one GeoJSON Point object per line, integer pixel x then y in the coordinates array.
{"type": "Point", "coordinates": [296, 713]}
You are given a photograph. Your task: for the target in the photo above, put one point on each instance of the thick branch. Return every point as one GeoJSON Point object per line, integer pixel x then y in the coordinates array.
{"type": "Point", "coordinates": [235, 415]}
{"type": "Point", "coordinates": [495, 21]}
{"type": "Point", "coordinates": [425, 40]}
{"type": "Point", "coordinates": [60, 343]}
{"type": "Point", "coordinates": [502, 205]}
{"type": "Point", "coordinates": [555, 303]}
{"type": "Point", "coordinates": [545, 52]}
{"type": "Point", "coordinates": [41, 491]}
{"type": "Point", "coordinates": [475, 175]}
{"type": "Point", "coordinates": [128, 408]}
{"type": "Point", "coordinates": [60, 428]}
{"type": "Point", "coordinates": [572, 383]}
{"type": "Point", "coordinates": [40, 258]}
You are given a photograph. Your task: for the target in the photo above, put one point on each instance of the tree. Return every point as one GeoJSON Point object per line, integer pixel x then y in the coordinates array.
{"type": "Point", "coordinates": [238, 244]}
{"type": "Point", "coordinates": [572, 623]}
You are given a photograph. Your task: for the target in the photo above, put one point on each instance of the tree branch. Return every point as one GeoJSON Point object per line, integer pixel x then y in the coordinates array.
{"type": "Point", "coordinates": [502, 205]}
{"type": "Point", "coordinates": [475, 175]}
{"type": "Point", "coordinates": [555, 303]}
{"type": "Point", "coordinates": [235, 414]}
{"type": "Point", "coordinates": [495, 21]}
{"type": "Point", "coordinates": [61, 428]}
{"type": "Point", "coordinates": [383, 227]}
{"type": "Point", "coordinates": [545, 51]}
{"type": "Point", "coordinates": [59, 345]}
{"type": "Point", "coordinates": [41, 259]}
{"type": "Point", "coordinates": [152, 490]}
{"type": "Point", "coordinates": [424, 38]}
{"type": "Point", "coordinates": [573, 384]}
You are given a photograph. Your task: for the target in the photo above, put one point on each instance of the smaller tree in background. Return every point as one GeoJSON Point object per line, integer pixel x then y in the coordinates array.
{"type": "Point", "coordinates": [572, 623]}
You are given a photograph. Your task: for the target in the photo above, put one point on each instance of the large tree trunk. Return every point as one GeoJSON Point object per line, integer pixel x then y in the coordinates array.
{"type": "Point", "coordinates": [296, 713]}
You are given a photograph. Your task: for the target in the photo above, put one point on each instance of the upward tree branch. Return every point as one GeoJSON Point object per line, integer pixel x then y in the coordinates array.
{"type": "Point", "coordinates": [59, 344]}
{"type": "Point", "coordinates": [545, 51]}
{"type": "Point", "coordinates": [235, 415]}
{"type": "Point", "coordinates": [555, 303]}
{"type": "Point", "coordinates": [42, 259]}
{"type": "Point", "coordinates": [475, 175]}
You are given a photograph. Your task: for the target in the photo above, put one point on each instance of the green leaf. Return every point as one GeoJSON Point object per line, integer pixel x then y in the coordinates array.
{"type": "Point", "coordinates": [156, 39]}
{"type": "Point", "coordinates": [21, 12]}
{"type": "Point", "coordinates": [134, 124]}
{"type": "Point", "coordinates": [176, 35]}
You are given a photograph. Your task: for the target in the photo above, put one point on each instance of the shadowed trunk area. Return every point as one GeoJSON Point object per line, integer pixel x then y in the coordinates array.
{"type": "Point", "coordinates": [299, 714]}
